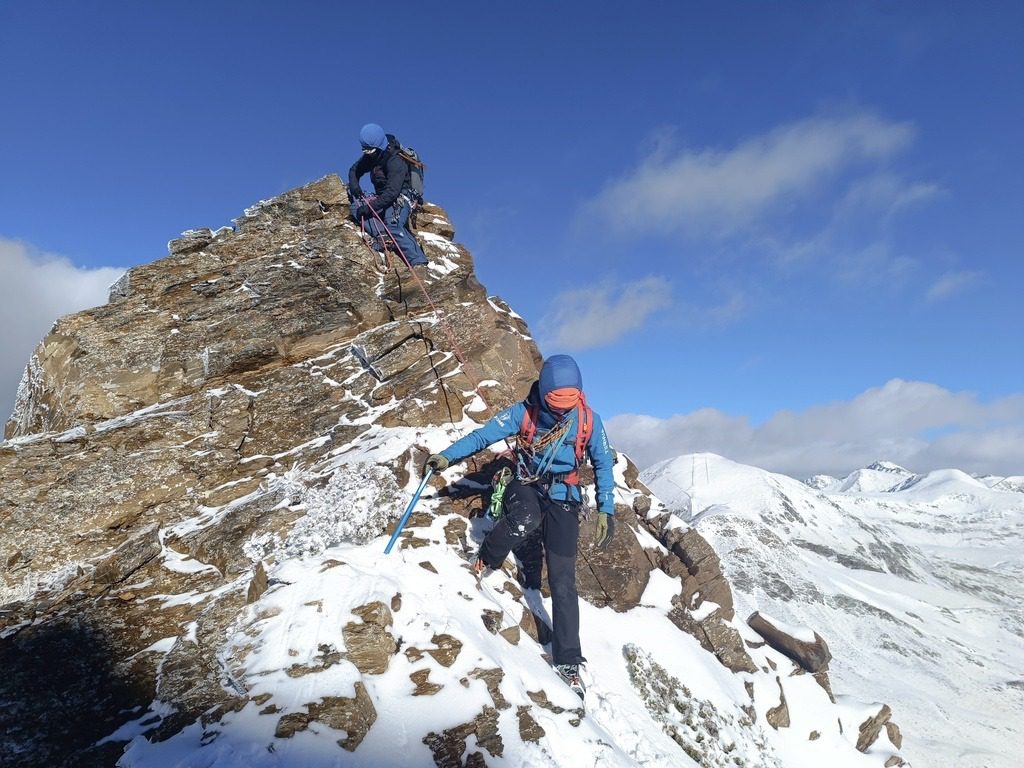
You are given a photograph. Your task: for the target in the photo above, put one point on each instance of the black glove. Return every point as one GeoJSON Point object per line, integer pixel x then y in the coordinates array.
{"type": "Point", "coordinates": [436, 462]}
{"type": "Point", "coordinates": [355, 193]}
{"type": "Point", "coordinates": [605, 530]}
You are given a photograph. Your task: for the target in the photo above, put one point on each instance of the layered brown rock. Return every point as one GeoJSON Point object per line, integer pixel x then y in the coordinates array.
{"type": "Point", "coordinates": [423, 685]}
{"type": "Point", "coordinates": [690, 558]}
{"type": "Point", "coordinates": [448, 746]}
{"type": "Point", "coordinates": [616, 576]}
{"type": "Point", "coordinates": [206, 371]}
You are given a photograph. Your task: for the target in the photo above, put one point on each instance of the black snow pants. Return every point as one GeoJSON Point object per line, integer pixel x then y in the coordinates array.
{"type": "Point", "coordinates": [531, 520]}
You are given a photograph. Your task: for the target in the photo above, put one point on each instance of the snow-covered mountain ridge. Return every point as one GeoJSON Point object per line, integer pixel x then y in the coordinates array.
{"type": "Point", "coordinates": [197, 486]}
{"type": "Point", "coordinates": [914, 581]}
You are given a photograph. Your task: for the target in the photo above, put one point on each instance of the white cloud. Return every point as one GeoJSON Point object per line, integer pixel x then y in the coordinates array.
{"type": "Point", "coordinates": [721, 191]}
{"type": "Point", "coordinates": [886, 193]}
{"type": "Point", "coordinates": [593, 316]}
{"type": "Point", "coordinates": [919, 425]}
{"type": "Point", "coordinates": [35, 289]}
{"type": "Point", "coordinates": [951, 284]}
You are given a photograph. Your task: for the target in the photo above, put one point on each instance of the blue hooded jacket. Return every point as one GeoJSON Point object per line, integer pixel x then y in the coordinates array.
{"type": "Point", "coordinates": [558, 371]}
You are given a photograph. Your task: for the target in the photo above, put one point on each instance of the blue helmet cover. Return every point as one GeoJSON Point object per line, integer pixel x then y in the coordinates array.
{"type": "Point", "coordinates": [372, 135]}
{"type": "Point", "coordinates": [559, 371]}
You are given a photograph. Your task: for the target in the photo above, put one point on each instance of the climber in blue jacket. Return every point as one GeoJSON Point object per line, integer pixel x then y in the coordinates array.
{"type": "Point", "coordinates": [555, 428]}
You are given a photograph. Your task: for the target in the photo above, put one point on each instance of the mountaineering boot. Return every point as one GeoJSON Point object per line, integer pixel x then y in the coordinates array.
{"type": "Point", "coordinates": [570, 673]}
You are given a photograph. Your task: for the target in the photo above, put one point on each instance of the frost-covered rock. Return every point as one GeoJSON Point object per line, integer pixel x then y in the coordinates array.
{"type": "Point", "coordinates": [709, 737]}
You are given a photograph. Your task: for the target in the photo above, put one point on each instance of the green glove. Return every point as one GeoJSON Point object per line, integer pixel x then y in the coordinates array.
{"type": "Point", "coordinates": [605, 530]}
{"type": "Point", "coordinates": [436, 462]}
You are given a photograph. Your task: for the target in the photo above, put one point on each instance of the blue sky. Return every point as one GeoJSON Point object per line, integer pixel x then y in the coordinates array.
{"type": "Point", "coordinates": [749, 211]}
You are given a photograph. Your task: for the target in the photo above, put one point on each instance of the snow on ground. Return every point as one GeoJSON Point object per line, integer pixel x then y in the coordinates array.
{"type": "Point", "coordinates": [298, 622]}
{"type": "Point", "coordinates": [655, 697]}
{"type": "Point", "coordinates": [915, 584]}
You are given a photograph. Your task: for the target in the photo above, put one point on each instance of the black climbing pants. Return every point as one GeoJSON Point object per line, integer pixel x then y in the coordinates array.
{"type": "Point", "coordinates": [532, 520]}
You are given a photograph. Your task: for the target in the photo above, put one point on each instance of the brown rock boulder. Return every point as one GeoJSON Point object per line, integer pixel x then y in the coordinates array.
{"type": "Point", "coordinates": [811, 656]}
{"type": "Point", "coordinates": [529, 728]}
{"type": "Point", "coordinates": [354, 715]}
{"type": "Point", "coordinates": [448, 746]}
{"type": "Point", "coordinates": [369, 645]}
{"type": "Point", "coordinates": [447, 650]}
{"type": "Point", "coordinates": [616, 576]}
{"type": "Point", "coordinates": [434, 219]}
{"type": "Point", "coordinates": [778, 716]}
{"type": "Point", "coordinates": [423, 685]}
{"type": "Point", "coordinates": [870, 728]}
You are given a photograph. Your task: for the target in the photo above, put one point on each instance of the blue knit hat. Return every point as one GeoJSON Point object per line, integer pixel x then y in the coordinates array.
{"type": "Point", "coordinates": [372, 135]}
{"type": "Point", "coordinates": [559, 371]}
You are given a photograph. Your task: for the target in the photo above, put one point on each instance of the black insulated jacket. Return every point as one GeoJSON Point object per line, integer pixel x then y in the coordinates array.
{"type": "Point", "coordinates": [388, 172]}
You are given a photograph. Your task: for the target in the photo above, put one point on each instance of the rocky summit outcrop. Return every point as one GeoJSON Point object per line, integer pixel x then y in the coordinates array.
{"type": "Point", "coordinates": [181, 459]}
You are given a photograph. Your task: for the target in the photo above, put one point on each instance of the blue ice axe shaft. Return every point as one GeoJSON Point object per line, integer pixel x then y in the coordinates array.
{"type": "Point", "coordinates": [408, 511]}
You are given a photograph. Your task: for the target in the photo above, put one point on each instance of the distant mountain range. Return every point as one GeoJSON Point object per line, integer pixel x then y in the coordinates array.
{"type": "Point", "coordinates": [886, 477]}
{"type": "Point", "coordinates": [913, 579]}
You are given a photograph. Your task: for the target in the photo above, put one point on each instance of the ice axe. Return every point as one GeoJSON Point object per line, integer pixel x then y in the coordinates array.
{"type": "Point", "coordinates": [408, 511]}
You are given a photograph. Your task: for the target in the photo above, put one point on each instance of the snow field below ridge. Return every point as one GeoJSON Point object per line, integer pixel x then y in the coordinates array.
{"type": "Point", "coordinates": [916, 591]}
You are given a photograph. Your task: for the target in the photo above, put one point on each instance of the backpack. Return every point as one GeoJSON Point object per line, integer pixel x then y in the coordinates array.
{"type": "Point", "coordinates": [416, 169]}
{"type": "Point", "coordinates": [584, 429]}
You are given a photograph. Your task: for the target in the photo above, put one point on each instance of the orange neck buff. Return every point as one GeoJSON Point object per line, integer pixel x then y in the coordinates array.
{"type": "Point", "coordinates": [563, 398]}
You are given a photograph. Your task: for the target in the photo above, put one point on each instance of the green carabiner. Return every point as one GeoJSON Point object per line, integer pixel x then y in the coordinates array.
{"type": "Point", "coordinates": [499, 483]}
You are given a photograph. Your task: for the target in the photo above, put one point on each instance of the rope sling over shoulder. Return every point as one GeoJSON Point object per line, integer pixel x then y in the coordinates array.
{"type": "Point", "coordinates": [529, 446]}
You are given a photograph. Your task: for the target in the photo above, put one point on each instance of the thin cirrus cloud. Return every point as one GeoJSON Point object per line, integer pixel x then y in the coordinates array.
{"type": "Point", "coordinates": [602, 314]}
{"type": "Point", "coordinates": [952, 283]}
{"type": "Point", "coordinates": [887, 193]}
{"type": "Point", "coordinates": [36, 288]}
{"type": "Point", "coordinates": [917, 424]}
{"type": "Point", "coordinates": [715, 191]}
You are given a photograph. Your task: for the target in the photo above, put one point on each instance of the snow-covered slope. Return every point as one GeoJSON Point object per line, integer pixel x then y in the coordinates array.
{"type": "Point", "coordinates": [915, 584]}
{"type": "Point", "coordinates": [655, 696]}
{"type": "Point", "coordinates": [1014, 483]}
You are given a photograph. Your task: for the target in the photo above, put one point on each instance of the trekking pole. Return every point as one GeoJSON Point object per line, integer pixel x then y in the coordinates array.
{"type": "Point", "coordinates": [408, 511]}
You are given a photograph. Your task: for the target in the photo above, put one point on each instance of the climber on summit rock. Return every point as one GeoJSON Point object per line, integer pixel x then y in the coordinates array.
{"type": "Point", "coordinates": [542, 502]}
{"type": "Point", "coordinates": [385, 214]}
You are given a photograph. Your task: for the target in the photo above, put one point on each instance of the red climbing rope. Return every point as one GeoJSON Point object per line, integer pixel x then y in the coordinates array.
{"type": "Point", "coordinates": [467, 368]}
